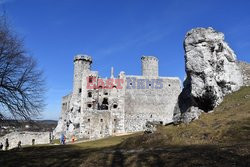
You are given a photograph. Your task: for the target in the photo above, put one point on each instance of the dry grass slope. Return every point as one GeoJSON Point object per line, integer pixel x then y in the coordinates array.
{"type": "Point", "coordinates": [229, 123]}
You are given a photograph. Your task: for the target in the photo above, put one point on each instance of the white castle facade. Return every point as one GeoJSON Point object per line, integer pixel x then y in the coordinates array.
{"type": "Point", "coordinates": [100, 107]}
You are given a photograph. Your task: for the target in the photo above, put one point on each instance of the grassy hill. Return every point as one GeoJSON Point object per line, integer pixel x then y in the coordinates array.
{"type": "Point", "coordinates": [221, 138]}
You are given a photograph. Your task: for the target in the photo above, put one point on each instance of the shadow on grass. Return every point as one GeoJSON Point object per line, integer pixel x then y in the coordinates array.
{"type": "Point", "coordinates": [197, 155]}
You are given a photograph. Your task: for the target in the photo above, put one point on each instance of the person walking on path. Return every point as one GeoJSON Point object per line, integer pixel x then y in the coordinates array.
{"type": "Point", "coordinates": [1, 146]}
{"type": "Point", "coordinates": [33, 142]}
{"type": "Point", "coordinates": [73, 139]}
{"type": "Point", "coordinates": [19, 145]}
{"type": "Point", "coordinates": [7, 144]}
{"type": "Point", "coordinates": [62, 139]}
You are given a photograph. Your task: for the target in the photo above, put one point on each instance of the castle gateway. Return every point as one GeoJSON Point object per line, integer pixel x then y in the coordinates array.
{"type": "Point", "coordinates": [100, 107]}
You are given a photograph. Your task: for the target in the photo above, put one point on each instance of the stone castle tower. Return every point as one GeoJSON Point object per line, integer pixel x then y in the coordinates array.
{"type": "Point", "coordinates": [82, 66]}
{"type": "Point", "coordinates": [149, 66]}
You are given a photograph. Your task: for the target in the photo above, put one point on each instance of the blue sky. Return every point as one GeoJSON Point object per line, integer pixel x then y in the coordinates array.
{"type": "Point", "coordinates": [117, 33]}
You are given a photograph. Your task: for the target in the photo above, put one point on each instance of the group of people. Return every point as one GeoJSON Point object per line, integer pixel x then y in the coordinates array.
{"type": "Point", "coordinates": [63, 139]}
{"type": "Point", "coordinates": [6, 145]}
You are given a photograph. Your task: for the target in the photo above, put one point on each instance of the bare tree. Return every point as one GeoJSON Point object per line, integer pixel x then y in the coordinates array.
{"type": "Point", "coordinates": [21, 82]}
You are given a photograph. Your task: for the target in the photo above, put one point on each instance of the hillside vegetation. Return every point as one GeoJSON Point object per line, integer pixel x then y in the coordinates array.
{"type": "Point", "coordinates": [221, 138]}
{"type": "Point", "coordinates": [229, 123]}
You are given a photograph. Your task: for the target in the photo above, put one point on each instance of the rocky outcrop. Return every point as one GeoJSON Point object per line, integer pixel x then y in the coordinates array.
{"type": "Point", "coordinates": [212, 72]}
{"type": "Point", "coordinates": [150, 127]}
{"type": "Point", "coordinates": [192, 113]}
{"type": "Point", "coordinates": [245, 69]}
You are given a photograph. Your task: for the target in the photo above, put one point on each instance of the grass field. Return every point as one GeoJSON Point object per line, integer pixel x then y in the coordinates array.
{"type": "Point", "coordinates": [221, 138]}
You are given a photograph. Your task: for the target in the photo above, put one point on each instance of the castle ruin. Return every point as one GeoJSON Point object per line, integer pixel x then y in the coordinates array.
{"type": "Point", "coordinates": [100, 107]}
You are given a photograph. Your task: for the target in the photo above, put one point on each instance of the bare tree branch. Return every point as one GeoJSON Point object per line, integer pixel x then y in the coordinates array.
{"type": "Point", "coordinates": [21, 83]}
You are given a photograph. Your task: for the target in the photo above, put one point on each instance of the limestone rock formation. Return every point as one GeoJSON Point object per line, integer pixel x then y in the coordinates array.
{"type": "Point", "coordinates": [212, 72]}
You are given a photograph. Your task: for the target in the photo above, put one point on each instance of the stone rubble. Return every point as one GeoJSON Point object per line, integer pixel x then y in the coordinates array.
{"type": "Point", "coordinates": [151, 127]}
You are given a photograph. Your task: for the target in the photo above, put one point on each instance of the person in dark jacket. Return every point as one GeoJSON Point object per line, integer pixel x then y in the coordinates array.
{"type": "Point", "coordinates": [1, 146]}
{"type": "Point", "coordinates": [7, 144]}
{"type": "Point", "coordinates": [33, 142]}
{"type": "Point", "coordinates": [19, 145]}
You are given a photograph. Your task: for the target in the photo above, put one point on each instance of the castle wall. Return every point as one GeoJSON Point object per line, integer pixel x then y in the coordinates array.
{"type": "Point", "coordinates": [150, 104]}
{"type": "Point", "coordinates": [25, 138]}
{"type": "Point", "coordinates": [117, 121]}
{"type": "Point", "coordinates": [245, 69]}
{"type": "Point", "coordinates": [101, 123]}
{"type": "Point", "coordinates": [64, 117]}
{"type": "Point", "coordinates": [101, 111]}
{"type": "Point", "coordinates": [93, 108]}
{"type": "Point", "coordinates": [96, 124]}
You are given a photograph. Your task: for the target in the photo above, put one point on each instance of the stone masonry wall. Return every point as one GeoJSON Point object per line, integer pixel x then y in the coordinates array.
{"type": "Point", "coordinates": [25, 138]}
{"type": "Point", "coordinates": [96, 124]}
{"type": "Point", "coordinates": [150, 104]}
{"type": "Point", "coordinates": [65, 114]}
{"type": "Point", "coordinates": [245, 68]}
